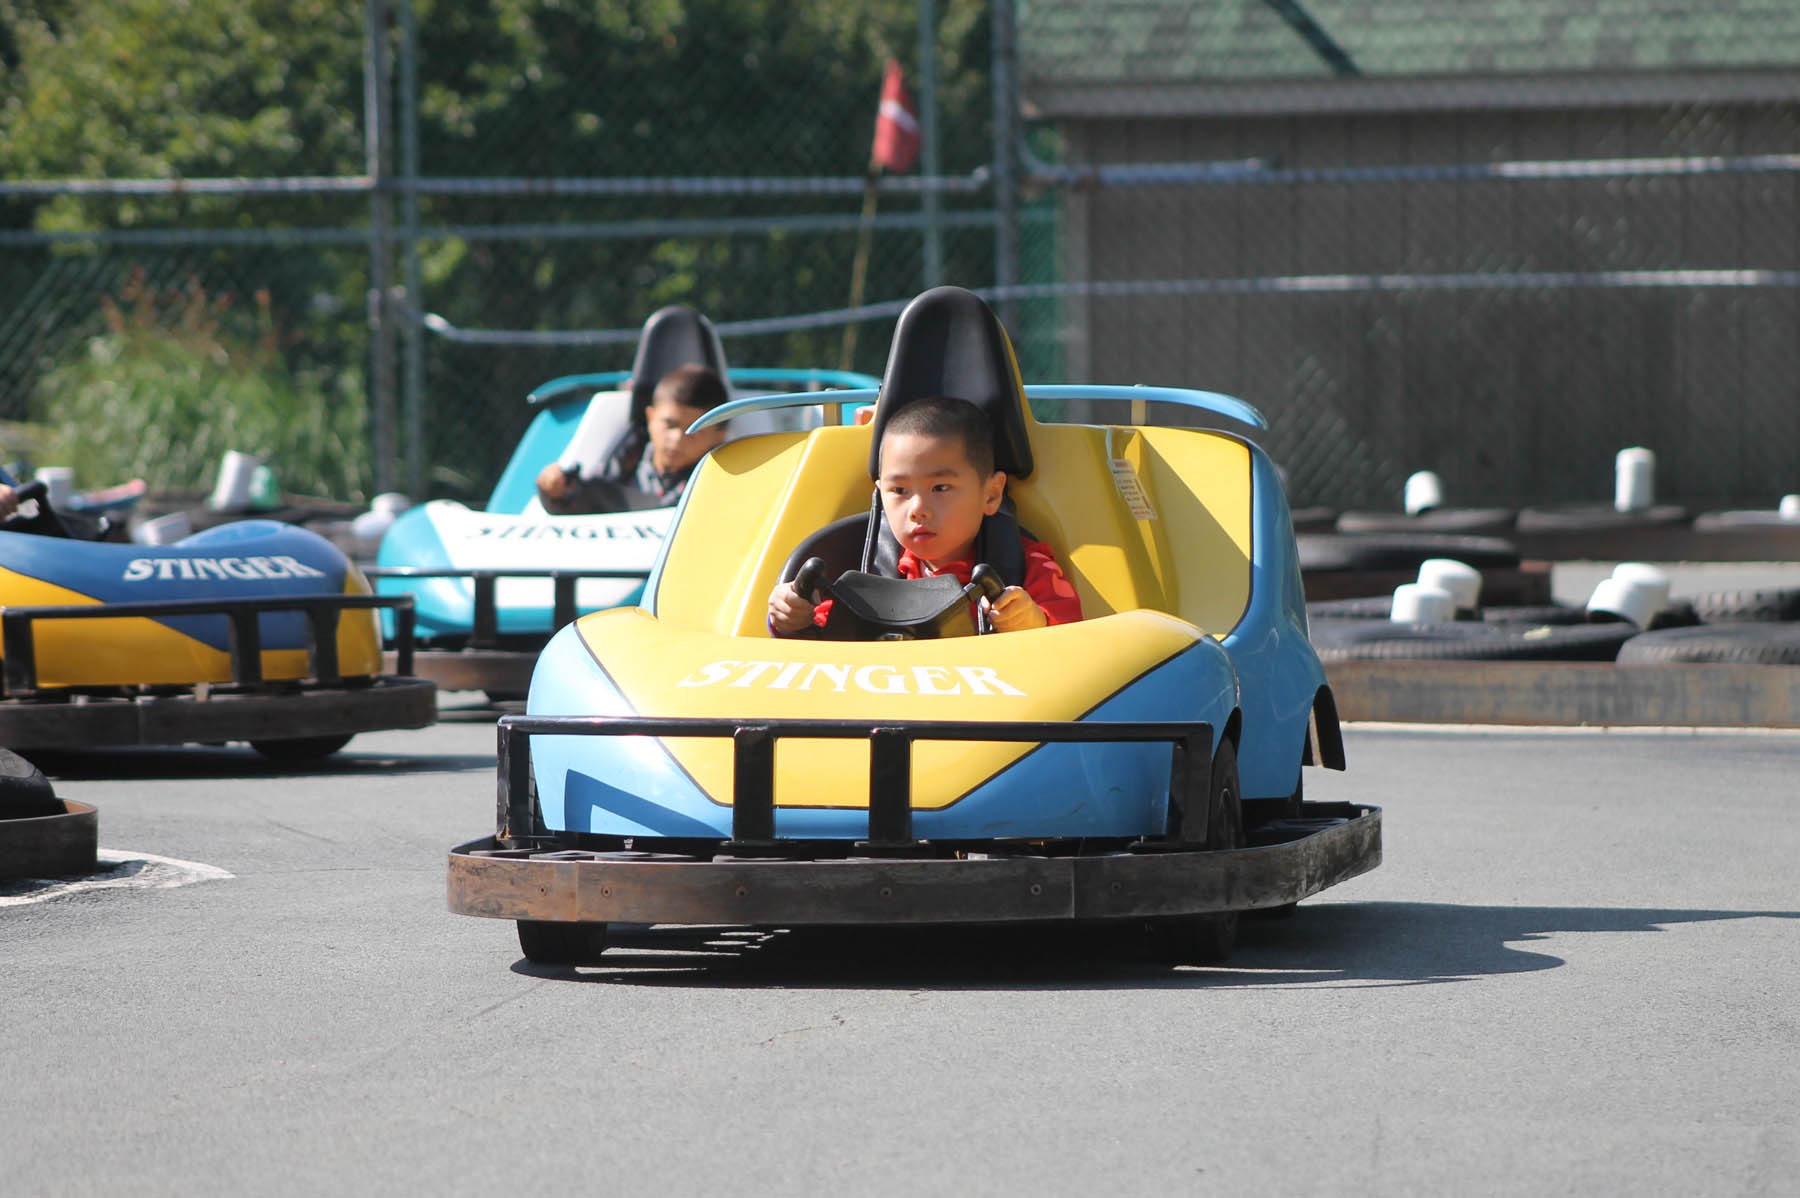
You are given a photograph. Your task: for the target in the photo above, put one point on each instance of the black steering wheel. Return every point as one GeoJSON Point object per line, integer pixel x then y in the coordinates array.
{"type": "Point", "coordinates": [875, 607]}
{"type": "Point", "coordinates": [46, 523]}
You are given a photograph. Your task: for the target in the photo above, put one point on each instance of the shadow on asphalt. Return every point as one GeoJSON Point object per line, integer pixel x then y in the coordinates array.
{"type": "Point", "coordinates": [240, 761]}
{"type": "Point", "coordinates": [1340, 944]}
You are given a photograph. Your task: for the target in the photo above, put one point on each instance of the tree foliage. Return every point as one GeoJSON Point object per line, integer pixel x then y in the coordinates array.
{"type": "Point", "coordinates": [507, 89]}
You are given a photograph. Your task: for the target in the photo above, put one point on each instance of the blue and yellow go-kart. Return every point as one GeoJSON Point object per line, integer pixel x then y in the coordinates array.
{"type": "Point", "coordinates": [677, 764]}
{"type": "Point", "coordinates": [255, 631]}
{"type": "Point", "coordinates": [492, 584]}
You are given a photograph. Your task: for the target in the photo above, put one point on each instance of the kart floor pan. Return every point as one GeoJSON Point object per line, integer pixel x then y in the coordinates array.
{"type": "Point", "coordinates": [1327, 845]}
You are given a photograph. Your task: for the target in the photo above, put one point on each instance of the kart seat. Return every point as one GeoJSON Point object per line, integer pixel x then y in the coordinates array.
{"type": "Point", "coordinates": [614, 428]}
{"type": "Point", "coordinates": [947, 343]}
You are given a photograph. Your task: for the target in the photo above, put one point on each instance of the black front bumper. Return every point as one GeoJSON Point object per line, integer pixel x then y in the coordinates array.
{"type": "Point", "coordinates": [526, 872]}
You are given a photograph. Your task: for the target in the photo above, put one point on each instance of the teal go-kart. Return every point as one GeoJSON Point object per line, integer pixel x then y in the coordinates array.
{"type": "Point", "coordinates": [1140, 768]}
{"type": "Point", "coordinates": [255, 631]}
{"type": "Point", "coordinates": [492, 584]}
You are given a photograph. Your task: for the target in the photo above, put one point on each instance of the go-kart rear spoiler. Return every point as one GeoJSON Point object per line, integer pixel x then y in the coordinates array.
{"type": "Point", "coordinates": [484, 629]}
{"type": "Point", "coordinates": [1207, 401]}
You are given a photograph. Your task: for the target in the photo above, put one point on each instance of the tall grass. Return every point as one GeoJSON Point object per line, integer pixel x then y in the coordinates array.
{"type": "Point", "coordinates": [177, 378]}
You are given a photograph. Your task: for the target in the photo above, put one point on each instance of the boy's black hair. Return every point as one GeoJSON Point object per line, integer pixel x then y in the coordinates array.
{"type": "Point", "coordinates": [697, 387]}
{"type": "Point", "coordinates": [944, 416]}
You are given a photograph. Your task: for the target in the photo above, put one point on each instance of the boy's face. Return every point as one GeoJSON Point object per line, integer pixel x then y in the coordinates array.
{"type": "Point", "coordinates": [933, 498]}
{"type": "Point", "coordinates": [671, 449]}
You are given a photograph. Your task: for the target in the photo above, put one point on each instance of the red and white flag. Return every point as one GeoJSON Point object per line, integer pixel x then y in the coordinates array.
{"type": "Point", "coordinates": [896, 126]}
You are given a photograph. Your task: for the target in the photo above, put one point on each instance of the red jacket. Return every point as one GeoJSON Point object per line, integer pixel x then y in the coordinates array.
{"type": "Point", "coordinates": [1045, 582]}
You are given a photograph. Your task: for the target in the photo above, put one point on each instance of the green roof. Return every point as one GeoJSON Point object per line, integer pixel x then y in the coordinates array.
{"type": "Point", "coordinates": [1064, 42]}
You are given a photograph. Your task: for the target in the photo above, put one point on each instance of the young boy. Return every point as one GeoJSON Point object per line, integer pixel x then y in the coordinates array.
{"type": "Point", "coordinates": [661, 468]}
{"type": "Point", "coordinates": [937, 483]}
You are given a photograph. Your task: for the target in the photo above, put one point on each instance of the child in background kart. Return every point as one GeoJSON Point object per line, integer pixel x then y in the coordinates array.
{"type": "Point", "coordinates": [660, 469]}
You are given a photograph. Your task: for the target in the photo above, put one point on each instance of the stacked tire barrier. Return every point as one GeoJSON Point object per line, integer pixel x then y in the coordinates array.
{"type": "Point", "coordinates": [1725, 658]}
{"type": "Point", "coordinates": [41, 836]}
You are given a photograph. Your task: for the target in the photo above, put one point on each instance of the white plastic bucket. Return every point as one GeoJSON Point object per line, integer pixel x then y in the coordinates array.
{"type": "Point", "coordinates": [1423, 492]}
{"type": "Point", "coordinates": [1631, 601]}
{"type": "Point", "coordinates": [164, 530]}
{"type": "Point", "coordinates": [59, 482]}
{"type": "Point", "coordinates": [1462, 580]}
{"type": "Point", "coordinates": [237, 476]}
{"type": "Point", "coordinates": [1634, 479]}
{"type": "Point", "coordinates": [1649, 577]}
{"type": "Point", "coordinates": [1415, 603]}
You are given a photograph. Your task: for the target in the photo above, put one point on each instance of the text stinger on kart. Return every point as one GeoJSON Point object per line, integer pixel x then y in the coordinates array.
{"type": "Point", "coordinates": [1140, 767]}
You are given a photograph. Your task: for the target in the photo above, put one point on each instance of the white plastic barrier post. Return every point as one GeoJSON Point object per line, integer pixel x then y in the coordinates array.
{"type": "Point", "coordinates": [1634, 479]}
{"type": "Point", "coordinates": [237, 474]}
{"type": "Point", "coordinates": [1423, 492]}
{"type": "Point", "coordinates": [1462, 580]}
{"type": "Point", "coordinates": [1417, 604]}
{"type": "Point", "coordinates": [59, 484]}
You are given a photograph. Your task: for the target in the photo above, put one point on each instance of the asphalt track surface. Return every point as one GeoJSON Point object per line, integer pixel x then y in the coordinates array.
{"type": "Point", "coordinates": [1574, 974]}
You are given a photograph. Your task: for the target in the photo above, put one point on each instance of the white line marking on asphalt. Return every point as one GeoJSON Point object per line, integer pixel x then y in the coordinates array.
{"type": "Point", "coordinates": [120, 869]}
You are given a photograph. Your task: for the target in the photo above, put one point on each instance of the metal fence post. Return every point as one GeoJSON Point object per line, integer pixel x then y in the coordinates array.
{"type": "Point", "coordinates": [414, 374]}
{"type": "Point", "coordinates": [1006, 151]}
{"type": "Point", "coordinates": [381, 239]}
{"type": "Point", "coordinates": [933, 273]}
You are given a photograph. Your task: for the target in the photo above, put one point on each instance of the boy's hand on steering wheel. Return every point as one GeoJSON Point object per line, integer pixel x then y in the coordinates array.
{"type": "Point", "coordinates": [789, 610]}
{"type": "Point", "coordinates": [1015, 611]}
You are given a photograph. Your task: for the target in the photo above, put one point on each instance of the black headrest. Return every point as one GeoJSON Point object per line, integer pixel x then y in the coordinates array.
{"type": "Point", "coordinates": [673, 336]}
{"type": "Point", "coordinates": [947, 342]}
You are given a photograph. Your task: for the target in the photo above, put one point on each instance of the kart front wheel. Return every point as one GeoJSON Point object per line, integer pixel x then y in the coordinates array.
{"type": "Point", "coordinates": [1206, 939]}
{"type": "Point", "coordinates": [547, 943]}
{"type": "Point", "coordinates": [300, 748]}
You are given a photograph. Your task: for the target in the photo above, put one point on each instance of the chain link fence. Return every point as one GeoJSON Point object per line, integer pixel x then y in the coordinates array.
{"type": "Point", "coordinates": [1504, 284]}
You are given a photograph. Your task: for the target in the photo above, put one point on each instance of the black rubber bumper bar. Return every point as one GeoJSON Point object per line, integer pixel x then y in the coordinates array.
{"type": "Point", "coordinates": [518, 821]}
{"type": "Point", "coordinates": [484, 632]}
{"type": "Point", "coordinates": [19, 645]}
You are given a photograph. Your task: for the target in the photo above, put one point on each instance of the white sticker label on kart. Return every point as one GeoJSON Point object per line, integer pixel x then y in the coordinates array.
{"type": "Point", "coordinates": [873, 680]}
{"type": "Point", "coordinates": [165, 569]}
{"type": "Point", "coordinates": [1131, 490]}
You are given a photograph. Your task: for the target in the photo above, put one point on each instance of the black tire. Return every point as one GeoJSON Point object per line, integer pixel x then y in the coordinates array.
{"type": "Point", "coordinates": [24, 791]}
{"type": "Point", "coordinates": [545, 943]}
{"type": "Point", "coordinates": [294, 750]}
{"type": "Point", "coordinates": [1733, 607]}
{"type": "Point", "coordinates": [1464, 520]}
{"type": "Point", "coordinates": [1206, 939]}
{"type": "Point", "coordinates": [1596, 517]}
{"type": "Point", "coordinates": [1725, 644]}
{"type": "Point", "coordinates": [1679, 614]}
{"type": "Point", "coordinates": [1396, 551]}
{"type": "Point", "coordinates": [1313, 519]}
{"type": "Point", "coordinates": [1467, 640]}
